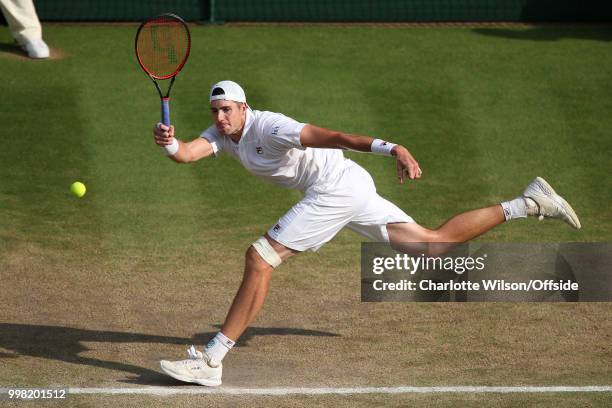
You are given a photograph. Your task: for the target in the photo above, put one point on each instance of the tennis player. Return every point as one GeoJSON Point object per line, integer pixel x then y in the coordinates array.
{"type": "Point", "coordinates": [337, 193]}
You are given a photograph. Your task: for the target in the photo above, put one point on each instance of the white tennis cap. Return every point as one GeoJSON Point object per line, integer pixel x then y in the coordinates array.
{"type": "Point", "coordinates": [227, 91]}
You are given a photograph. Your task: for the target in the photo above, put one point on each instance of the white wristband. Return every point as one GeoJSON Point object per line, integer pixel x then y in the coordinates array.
{"type": "Point", "coordinates": [172, 148]}
{"type": "Point", "coordinates": [381, 147]}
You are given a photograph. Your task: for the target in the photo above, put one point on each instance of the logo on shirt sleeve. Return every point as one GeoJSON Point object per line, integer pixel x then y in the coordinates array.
{"type": "Point", "coordinates": [275, 130]}
{"type": "Point", "coordinates": [259, 149]}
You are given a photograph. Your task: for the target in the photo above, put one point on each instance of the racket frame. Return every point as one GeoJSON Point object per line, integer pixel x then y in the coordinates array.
{"type": "Point", "coordinates": [165, 98]}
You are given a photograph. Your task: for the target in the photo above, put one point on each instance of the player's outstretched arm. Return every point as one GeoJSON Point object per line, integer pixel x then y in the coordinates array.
{"type": "Point", "coordinates": [179, 151]}
{"type": "Point", "coordinates": [314, 136]}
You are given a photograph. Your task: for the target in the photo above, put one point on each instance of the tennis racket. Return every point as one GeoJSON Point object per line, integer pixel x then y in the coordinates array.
{"type": "Point", "coordinates": [162, 47]}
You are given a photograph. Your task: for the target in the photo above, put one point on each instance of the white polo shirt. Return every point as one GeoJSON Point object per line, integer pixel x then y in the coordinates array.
{"type": "Point", "coordinates": [270, 148]}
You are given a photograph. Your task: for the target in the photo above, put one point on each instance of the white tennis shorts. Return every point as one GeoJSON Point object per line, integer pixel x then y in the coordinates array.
{"type": "Point", "coordinates": [349, 201]}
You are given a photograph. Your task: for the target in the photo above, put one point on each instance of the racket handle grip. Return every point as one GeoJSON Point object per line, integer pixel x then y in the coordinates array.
{"type": "Point", "coordinates": [165, 109]}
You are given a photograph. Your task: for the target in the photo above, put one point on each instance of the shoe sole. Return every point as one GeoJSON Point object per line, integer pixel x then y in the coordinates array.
{"type": "Point", "coordinates": [561, 201]}
{"type": "Point", "coordinates": [208, 383]}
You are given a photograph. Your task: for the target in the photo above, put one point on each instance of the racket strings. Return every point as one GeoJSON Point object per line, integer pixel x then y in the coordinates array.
{"type": "Point", "coordinates": [163, 46]}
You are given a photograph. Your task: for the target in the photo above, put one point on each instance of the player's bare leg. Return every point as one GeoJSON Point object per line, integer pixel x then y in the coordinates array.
{"type": "Point", "coordinates": [460, 228]}
{"type": "Point", "coordinates": [206, 368]}
{"type": "Point", "coordinates": [409, 237]}
{"type": "Point", "coordinates": [538, 199]}
{"type": "Point", "coordinates": [253, 290]}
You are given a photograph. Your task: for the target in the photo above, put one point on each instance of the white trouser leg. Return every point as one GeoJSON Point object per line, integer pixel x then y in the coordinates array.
{"type": "Point", "coordinates": [22, 20]}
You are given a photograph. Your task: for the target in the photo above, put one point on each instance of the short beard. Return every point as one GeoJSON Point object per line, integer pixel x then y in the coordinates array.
{"type": "Point", "coordinates": [237, 132]}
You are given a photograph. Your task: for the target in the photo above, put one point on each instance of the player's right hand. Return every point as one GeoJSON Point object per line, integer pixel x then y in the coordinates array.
{"type": "Point", "coordinates": [163, 134]}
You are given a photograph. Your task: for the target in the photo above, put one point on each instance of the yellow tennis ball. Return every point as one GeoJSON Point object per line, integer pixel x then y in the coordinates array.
{"type": "Point", "coordinates": [78, 189]}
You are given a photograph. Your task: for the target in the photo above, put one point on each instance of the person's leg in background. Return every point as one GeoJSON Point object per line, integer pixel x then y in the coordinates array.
{"type": "Point", "coordinates": [25, 27]}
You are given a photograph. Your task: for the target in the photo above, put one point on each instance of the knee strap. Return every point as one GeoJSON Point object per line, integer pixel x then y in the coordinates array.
{"type": "Point", "coordinates": [263, 247]}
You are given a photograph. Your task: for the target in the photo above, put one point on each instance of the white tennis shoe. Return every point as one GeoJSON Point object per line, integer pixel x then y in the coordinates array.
{"type": "Point", "coordinates": [35, 48]}
{"type": "Point", "coordinates": [198, 369]}
{"type": "Point", "coordinates": [545, 202]}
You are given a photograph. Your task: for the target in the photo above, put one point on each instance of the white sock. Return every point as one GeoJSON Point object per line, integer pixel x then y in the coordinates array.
{"type": "Point", "coordinates": [516, 208]}
{"type": "Point", "coordinates": [218, 347]}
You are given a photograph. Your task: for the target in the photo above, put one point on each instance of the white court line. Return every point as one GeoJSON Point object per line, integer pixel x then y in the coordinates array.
{"type": "Point", "coordinates": [339, 391]}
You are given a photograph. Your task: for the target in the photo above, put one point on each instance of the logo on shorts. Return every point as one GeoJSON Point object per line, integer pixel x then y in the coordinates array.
{"type": "Point", "coordinates": [384, 143]}
{"type": "Point", "coordinates": [275, 130]}
{"type": "Point", "coordinates": [276, 228]}
{"type": "Point", "coordinates": [259, 149]}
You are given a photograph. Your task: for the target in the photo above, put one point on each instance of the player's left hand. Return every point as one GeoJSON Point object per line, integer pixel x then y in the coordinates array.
{"type": "Point", "coordinates": [406, 164]}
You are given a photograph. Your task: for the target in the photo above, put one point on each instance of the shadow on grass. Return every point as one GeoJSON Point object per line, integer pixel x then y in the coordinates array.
{"type": "Point", "coordinates": [12, 49]}
{"type": "Point", "coordinates": [64, 344]}
{"type": "Point", "coordinates": [550, 33]}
